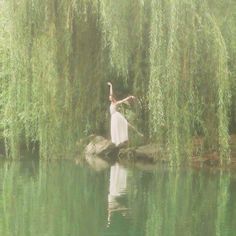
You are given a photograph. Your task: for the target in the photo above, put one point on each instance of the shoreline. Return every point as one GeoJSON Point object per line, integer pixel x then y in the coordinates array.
{"type": "Point", "coordinates": [150, 154]}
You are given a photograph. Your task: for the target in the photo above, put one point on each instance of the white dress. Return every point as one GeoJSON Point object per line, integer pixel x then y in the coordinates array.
{"type": "Point", "coordinates": [119, 126]}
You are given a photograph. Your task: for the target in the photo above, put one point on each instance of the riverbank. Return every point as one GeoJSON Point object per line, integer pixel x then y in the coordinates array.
{"type": "Point", "coordinates": [151, 154]}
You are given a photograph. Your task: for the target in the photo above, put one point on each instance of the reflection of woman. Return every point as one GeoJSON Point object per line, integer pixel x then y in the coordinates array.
{"type": "Point", "coordinates": [117, 191]}
{"type": "Point", "coordinates": [119, 125]}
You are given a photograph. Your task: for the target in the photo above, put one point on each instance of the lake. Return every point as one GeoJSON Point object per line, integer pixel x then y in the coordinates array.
{"type": "Point", "coordinates": [61, 198]}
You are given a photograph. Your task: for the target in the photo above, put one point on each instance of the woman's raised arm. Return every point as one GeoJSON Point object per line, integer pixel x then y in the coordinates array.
{"type": "Point", "coordinates": [125, 99]}
{"type": "Point", "coordinates": [111, 90]}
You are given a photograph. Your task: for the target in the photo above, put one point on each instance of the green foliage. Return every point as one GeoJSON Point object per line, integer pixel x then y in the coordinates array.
{"type": "Point", "coordinates": [185, 92]}
{"type": "Point", "coordinates": [176, 56]}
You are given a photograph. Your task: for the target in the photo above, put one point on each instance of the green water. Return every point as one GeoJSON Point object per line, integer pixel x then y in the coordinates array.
{"type": "Point", "coordinates": [62, 198]}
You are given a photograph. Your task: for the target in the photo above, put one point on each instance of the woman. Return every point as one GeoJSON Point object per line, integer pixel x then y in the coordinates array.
{"type": "Point", "coordinates": [119, 125]}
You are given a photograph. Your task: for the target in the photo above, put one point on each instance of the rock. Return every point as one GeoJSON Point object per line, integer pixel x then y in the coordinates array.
{"type": "Point", "coordinates": [148, 152]}
{"type": "Point", "coordinates": [99, 146]}
{"type": "Point", "coordinates": [127, 154]}
{"type": "Point", "coordinates": [105, 149]}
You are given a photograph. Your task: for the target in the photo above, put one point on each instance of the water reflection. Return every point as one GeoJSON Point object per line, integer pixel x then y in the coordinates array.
{"type": "Point", "coordinates": [61, 198]}
{"type": "Point", "coordinates": [185, 202]}
{"type": "Point", "coordinates": [96, 163]}
{"type": "Point", "coordinates": [117, 197]}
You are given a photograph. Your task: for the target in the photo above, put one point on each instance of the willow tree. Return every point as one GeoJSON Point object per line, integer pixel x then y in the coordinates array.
{"type": "Point", "coordinates": [55, 75]}
{"type": "Point", "coordinates": [225, 16]}
{"type": "Point", "coordinates": [170, 53]}
{"type": "Point", "coordinates": [189, 89]}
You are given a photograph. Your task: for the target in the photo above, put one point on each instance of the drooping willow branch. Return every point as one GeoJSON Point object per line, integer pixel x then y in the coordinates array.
{"type": "Point", "coordinates": [60, 55]}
